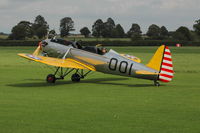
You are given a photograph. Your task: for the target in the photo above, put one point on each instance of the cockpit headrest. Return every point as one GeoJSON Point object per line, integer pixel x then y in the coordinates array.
{"type": "Point", "coordinates": [44, 43]}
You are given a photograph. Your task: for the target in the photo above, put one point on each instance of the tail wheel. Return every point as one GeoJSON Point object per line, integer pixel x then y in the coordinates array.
{"type": "Point", "coordinates": [156, 83]}
{"type": "Point", "coordinates": [51, 78]}
{"type": "Point", "coordinates": [75, 77]}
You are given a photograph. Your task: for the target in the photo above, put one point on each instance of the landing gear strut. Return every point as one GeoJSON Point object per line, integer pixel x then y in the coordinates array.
{"type": "Point", "coordinates": [76, 77]}
{"type": "Point", "coordinates": [156, 83]}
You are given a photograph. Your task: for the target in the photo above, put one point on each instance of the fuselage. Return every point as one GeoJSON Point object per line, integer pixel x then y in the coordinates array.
{"type": "Point", "coordinates": [110, 62]}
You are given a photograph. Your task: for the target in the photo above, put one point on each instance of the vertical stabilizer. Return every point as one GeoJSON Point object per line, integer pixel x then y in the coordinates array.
{"type": "Point", "coordinates": [156, 60]}
{"type": "Point", "coordinates": [162, 62]}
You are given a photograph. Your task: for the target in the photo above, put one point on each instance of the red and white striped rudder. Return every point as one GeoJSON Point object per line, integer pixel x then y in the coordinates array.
{"type": "Point", "coordinates": [166, 70]}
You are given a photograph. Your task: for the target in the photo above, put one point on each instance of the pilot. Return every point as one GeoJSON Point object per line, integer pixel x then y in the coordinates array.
{"type": "Point", "coordinates": [103, 50]}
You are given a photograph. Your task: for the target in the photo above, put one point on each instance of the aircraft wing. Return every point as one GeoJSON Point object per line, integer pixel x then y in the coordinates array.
{"type": "Point", "coordinates": [68, 62]}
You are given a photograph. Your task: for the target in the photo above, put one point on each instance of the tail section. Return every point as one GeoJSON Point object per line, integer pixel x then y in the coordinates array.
{"type": "Point", "coordinates": [162, 62]}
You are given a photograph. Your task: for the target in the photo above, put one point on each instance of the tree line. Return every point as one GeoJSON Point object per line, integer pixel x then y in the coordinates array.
{"type": "Point", "coordinates": [108, 29]}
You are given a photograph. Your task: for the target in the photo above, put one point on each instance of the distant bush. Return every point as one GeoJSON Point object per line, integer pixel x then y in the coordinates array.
{"type": "Point", "coordinates": [106, 43]}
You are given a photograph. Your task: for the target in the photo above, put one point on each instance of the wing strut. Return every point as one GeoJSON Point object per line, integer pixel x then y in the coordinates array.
{"type": "Point", "coordinates": [66, 53]}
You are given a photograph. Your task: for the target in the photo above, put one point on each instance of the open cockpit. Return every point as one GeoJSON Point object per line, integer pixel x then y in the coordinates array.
{"type": "Point", "coordinates": [76, 44]}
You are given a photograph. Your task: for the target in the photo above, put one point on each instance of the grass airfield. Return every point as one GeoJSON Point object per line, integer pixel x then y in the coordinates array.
{"type": "Point", "coordinates": [100, 103]}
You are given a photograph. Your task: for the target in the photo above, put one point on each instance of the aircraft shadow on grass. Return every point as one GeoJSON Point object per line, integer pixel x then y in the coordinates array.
{"type": "Point", "coordinates": [103, 81]}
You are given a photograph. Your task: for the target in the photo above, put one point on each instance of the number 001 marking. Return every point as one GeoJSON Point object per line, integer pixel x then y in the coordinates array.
{"type": "Point", "coordinates": [121, 68]}
{"type": "Point", "coordinates": [114, 63]}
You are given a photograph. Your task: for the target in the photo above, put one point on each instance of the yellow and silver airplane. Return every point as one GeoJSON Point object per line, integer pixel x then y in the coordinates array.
{"type": "Point", "coordinates": [68, 56]}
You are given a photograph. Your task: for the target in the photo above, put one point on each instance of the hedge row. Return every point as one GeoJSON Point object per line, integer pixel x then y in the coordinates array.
{"type": "Point", "coordinates": [142, 43]}
{"type": "Point", "coordinates": [106, 43]}
{"type": "Point", "coordinates": [18, 43]}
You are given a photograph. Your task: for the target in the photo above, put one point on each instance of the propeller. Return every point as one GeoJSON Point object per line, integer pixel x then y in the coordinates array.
{"type": "Point", "coordinates": [40, 45]}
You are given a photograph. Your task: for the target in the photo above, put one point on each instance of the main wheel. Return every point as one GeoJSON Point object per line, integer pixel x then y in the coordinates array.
{"type": "Point", "coordinates": [75, 77]}
{"type": "Point", "coordinates": [51, 78]}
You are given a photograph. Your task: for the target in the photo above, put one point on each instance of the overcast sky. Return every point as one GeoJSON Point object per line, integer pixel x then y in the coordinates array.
{"type": "Point", "coordinates": [170, 13]}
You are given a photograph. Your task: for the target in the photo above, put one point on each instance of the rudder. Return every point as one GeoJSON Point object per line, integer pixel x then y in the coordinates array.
{"type": "Point", "coordinates": [162, 62]}
{"type": "Point", "coordinates": [166, 70]}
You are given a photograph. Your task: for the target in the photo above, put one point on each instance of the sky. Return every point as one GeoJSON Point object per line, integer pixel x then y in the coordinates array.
{"type": "Point", "coordinates": [170, 13]}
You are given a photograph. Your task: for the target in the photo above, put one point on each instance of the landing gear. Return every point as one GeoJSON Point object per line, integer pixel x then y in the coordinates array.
{"type": "Point", "coordinates": [60, 74]}
{"type": "Point", "coordinates": [51, 78]}
{"type": "Point", "coordinates": [76, 77]}
{"type": "Point", "coordinates": [156, 83]}
{"type": "Point", "coordinates": [79, 75]}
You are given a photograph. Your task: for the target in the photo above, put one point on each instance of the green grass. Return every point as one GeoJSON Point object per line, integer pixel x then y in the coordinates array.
{"type": "Point", "coordinates": [100, 103]}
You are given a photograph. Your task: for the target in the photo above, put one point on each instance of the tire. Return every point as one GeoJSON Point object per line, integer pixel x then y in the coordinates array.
{"type": "Point", "coordinates": [51, 78]}
{"type": "Point", "coordinates": [157, 84]}
{"type": "Point", "coordinates": [76, 77]}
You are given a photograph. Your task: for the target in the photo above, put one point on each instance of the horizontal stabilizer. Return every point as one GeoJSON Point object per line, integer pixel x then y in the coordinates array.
{"type": "Point", "coordinates": [142, 72]}
{"type": "Point", "coordinates": [131, 57]}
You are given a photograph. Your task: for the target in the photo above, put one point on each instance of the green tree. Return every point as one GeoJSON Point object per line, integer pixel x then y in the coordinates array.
{"type": "Point", "coordinates": [97, 28]}
{"type": "Point", "coordinates": [66, 25]}
{"type": "Point", "coordinates": [111, 23]}
{"type": "Point", "coordinates": [53, 32]}
{"type": "Point", "coordinates": [134, 30]}
{"type": "Point", "coordinates": [164, 33]}
{"type": "Point", "coordinates": [22, 30]}
{"type": "Point", "coordinates": [154, 32]}
{"type": "Point", "coordinates": [136, 36]}
{"type": "Point", "coordinates": [85, 31]}
{"type": "Point", "coordinates": [118, 31]}
{"type": "Point", "coordinates": [197, 27]}
{"type": "Point", "coordinates": [17, 33]}
{"type": "Point", "coordinates": [109, 26]}
{"type": "Point", "coordinates": [40, 27]}
{"type": "Point", "coordinates": [183, 33]}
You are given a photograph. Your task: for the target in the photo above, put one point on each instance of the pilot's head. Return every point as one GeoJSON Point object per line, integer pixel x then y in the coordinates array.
{"type": "Point", "coordinates": [103, 50]}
